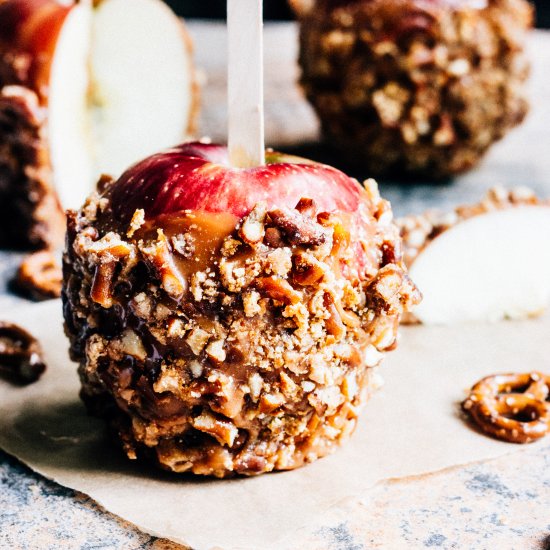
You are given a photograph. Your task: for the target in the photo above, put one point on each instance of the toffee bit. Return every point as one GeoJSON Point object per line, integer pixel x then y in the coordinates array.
{"type": "Point", "coordinates": [306, 207]}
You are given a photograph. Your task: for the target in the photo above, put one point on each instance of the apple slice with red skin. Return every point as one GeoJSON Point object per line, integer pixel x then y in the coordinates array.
{"type": "Point", "coordinates": [32, 28]}
{"type": "Point", "coordinates": [116, 77]}
{"type": "Point", "coordinates": [198, 176]}
{"type": "Point", "coordinates": [488, 267]}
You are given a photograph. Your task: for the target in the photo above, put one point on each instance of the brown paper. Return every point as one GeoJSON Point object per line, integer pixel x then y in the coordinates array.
{"type": "Point", "coordinates": [412, 426]}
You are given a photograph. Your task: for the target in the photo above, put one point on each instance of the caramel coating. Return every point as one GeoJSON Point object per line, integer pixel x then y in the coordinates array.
{"type": "Point", "coordinates": [31, 216]}
{"type": "Point", "coordinates": [226, 346]}
{"type": "Point", "coordinates": [511, 407]}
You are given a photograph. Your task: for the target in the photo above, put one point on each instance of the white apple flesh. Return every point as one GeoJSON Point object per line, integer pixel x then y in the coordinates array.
{"type": "Point", "coordinates": [141, 82]}
{"type": "Point", "coordinates": [486, 268]}
{"type": "Point", "coordinates": [70, 140]}
{"type": "Point", "coordinates": [116, 77]}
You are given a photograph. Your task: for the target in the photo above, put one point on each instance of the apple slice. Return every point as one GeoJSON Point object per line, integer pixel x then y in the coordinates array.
{"type": "Point", "coordinates": [116, 78]}
{"type": "Point", "coordinates": [69, 125]}
{"type": "Point", "coordinates": [481, 263]}
{"type": "Point", "coordinates": [143, 86]}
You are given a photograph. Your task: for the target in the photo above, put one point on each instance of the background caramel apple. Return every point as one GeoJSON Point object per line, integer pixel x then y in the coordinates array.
{"type": "Point", "coordinates": [114, 82]}
{"type": "Point", "coordinates": [409, 88]}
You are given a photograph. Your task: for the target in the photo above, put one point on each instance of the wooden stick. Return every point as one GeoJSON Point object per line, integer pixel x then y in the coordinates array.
{"type": "Point", "coordinates": [245, 83]}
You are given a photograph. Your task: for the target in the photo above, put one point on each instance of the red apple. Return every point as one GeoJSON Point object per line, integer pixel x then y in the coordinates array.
{"type": "Point", "coordinates": [81, 59]}
{"type": "Point", "coordinates": [198, 176]}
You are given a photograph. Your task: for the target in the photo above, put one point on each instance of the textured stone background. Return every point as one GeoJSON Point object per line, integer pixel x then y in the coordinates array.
{"type": "Point", "coordinates": [502, 504]}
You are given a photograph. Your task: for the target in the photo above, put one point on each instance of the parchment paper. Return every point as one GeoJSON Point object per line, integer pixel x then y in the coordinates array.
{"type": "Point", "coordinates": [412, 426]}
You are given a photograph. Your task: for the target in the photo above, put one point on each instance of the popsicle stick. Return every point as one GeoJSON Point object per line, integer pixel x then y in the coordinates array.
{"type": "Point", "coordinates": [245, 83]}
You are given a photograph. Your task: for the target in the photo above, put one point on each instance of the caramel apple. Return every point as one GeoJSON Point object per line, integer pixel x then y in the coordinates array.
{"type": "Point", "coordinates": [230, 320]}
{"type": "Point", "coordinates": [415, 87]}
{"type": "Point", "coordinates": [85, 88]}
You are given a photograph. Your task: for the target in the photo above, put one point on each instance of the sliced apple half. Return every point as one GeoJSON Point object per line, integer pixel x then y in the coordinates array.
{"type": "Point", "coordinates": [116, 77]}
{"type": "Point", "coordinates": [68, 121]}
{"type": "Point", "coordinates": [487, 267]}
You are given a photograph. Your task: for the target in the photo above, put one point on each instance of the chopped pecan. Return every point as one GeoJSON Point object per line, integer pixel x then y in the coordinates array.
{"type": "Point", "coordinates": [278, 289]}
{"type": "Point", "coordinates": [104, 183]}
{"type": "Point", "coordinates": [391, 252]}
{"type": "Point", "coordinates": [250, 464]}
{"type": "Point", "coordinates": [297, 228]}
{"type": "Point", "coordinates": [228, 399]}
{"type": "Point", "coordinates": [223, 430]}
{"type": "Point", "coordinates": [383, 293]}
{"type": "Point", "coordinates": [273, 237]}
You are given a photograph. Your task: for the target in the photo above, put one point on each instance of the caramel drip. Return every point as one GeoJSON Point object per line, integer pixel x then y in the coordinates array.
{"type": "Point", "coordinates": [195, 237]}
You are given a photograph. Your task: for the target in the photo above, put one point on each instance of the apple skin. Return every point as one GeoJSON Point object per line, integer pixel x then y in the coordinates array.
{"type": "Point", "coordinates": [32, 28]}
{"type": "Point", "coordinates": [198, 176]}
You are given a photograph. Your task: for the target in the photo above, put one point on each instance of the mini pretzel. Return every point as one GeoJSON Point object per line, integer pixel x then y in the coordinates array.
{"type": "Point", "coordinates": [20, 354]}
{"type": "Point", "coordinates": [39, 276]}
{"type": "Point", "coordinates": [511, 407]}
